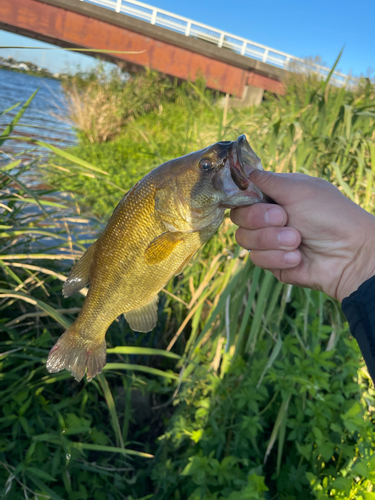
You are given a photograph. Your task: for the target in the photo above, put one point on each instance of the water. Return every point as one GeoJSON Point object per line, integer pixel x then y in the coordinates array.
{"type": "Point", "coordinates": [40, 121]}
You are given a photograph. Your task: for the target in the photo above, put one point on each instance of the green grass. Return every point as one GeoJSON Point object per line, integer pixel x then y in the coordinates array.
{"type": "Point", "coordinates": [246, 388]}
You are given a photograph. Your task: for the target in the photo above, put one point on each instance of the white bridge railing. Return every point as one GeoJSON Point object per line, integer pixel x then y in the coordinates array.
{"type": "Point", "coordinates": [187, 27]}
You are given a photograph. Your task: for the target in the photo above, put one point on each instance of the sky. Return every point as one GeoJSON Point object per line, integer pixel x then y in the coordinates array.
{"type": "Point", "coordinates": [299, 27]}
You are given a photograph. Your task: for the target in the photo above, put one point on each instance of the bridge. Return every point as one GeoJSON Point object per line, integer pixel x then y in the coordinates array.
{"type": "Point", "coordinates": [163, 41]}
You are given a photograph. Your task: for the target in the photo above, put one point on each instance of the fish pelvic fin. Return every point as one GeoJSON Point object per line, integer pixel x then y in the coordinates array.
{"type": "Point", "coordinates": [79, 276]}
{"type": "Point", "coordinates": [71, 354]}
{"type": "Point", "coordinates": [144, 318]}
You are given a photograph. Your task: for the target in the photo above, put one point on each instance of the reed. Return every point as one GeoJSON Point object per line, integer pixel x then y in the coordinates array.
{"type": "Point", "coordinates": [246, 388]}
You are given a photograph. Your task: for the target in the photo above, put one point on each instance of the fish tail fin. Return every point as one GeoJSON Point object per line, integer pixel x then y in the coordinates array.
{"type": "Point", "coordinates": [72, 354]}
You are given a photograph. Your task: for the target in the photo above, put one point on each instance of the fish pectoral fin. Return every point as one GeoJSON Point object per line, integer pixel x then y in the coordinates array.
{"type": "Point", "coordinates": [161, 247]}
{"type": "Point", "coordinates": [79, 275]}
{"type": "Point", "coordinates": [144, 318]}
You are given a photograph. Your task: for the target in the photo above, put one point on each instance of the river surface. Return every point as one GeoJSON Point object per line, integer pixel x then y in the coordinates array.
{"type": "Point", "coordinates": [41, 119]}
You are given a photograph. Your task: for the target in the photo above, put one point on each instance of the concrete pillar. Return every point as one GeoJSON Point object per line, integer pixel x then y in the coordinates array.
{"type": "Point", "coordinates": [252, 96]}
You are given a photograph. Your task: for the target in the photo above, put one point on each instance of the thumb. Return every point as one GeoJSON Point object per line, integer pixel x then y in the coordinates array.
{"type": "Point", "coordinates": [276, 186]}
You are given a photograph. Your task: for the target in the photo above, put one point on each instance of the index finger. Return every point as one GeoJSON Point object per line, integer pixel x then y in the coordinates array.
{"type": "Point", "coordinates": [259, 215]}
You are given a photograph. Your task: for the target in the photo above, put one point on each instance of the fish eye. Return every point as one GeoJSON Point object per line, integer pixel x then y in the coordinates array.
{"type": "Point", "coordinates": [205, 164]}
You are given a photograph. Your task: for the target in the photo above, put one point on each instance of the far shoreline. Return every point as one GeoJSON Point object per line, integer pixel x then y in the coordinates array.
{"type": "Point", "coordinates": [38, 74]}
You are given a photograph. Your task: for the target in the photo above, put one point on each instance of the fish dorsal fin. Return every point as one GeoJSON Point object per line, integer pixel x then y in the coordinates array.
{"type": "Point", "coordinates": [79, 275]}
{"type": "Point", "coordinates": [144, 318]}
{"type": "Point", "coordinates": [161, 247]}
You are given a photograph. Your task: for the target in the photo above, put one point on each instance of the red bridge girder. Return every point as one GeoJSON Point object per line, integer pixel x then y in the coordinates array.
{"type": "Point", "coordinates": [69, 23]}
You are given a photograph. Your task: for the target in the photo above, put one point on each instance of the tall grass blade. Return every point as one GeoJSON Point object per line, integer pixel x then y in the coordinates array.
{"type": "Point", "coordinates": [112, 409]}
{"type": "Point", "coordinates": [345, 186]}
{"type": "Point", "coordinates": [29, 192]}
{"type": "Point", "coordinates": [109, 449]}
{"type": "Point", "coordinates": [142, 351]}
{"type": "Point", "coordinates": [275, 352]}
{"type": "Point", "coordinates": [43, 487]}
{"type": "Point", "coordinates": [220, 307]}
{"type": "Point", "coordinates": [10, 166]}
{"type": "Point", "coordinates": [9, 129]}
{"type": "Point", "coordinates": [261, 305]}
{"type": "Point", "coordinates": [326, 82]}
{"type": "Point", "coordinates": [59, 152]}
{"type": "Point", "coordinates": [241, 340]}
{"type": "Point", "coordinates": [281, 416]}
{"type": "Point", "coordinates": [140, 368]}
{"type": "Point", "coordinates": [4, 293]}
{"type": "Point", "coordinates": [9, 109]}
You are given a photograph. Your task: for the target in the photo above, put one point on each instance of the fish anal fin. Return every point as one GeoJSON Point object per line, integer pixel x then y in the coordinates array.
{"type": "Point", "coordinates": [162, 246]}
{"type": "Point", "coordinates": [144, 318]}
{"type": "Point", "coordinates": [79, 275]}
{"type": "Point", "coordinates": [71, 354]}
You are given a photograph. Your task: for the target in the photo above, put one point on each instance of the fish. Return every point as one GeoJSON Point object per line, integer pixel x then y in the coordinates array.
{"type": "Point", "coordinates": [153, 233]}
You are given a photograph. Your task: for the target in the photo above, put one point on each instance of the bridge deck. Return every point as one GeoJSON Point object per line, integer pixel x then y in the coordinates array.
{"type": "Point", "coordinates": [71, 23]}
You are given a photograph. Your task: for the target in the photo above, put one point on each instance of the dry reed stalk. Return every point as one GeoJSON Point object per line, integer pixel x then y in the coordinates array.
{"type": "Point", "coordinates": [40, 314]}
{"type": "Point", "coordinates": [95, 111]}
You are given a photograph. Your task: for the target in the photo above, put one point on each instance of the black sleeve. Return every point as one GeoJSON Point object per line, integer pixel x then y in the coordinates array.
{"type": "Point", "coordinates": [359, 309]}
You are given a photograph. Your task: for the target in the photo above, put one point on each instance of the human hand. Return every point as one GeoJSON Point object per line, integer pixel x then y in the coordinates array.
{"type": "Point", "coordinates": [315, 237]}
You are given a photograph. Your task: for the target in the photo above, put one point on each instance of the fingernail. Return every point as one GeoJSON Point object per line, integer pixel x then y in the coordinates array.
{"type": "Point", "coordinates": [287, 238]}
{"type": "Point", "coordinates": [292, 258]}
{"type": "Point", "coordinates": [274, 217]}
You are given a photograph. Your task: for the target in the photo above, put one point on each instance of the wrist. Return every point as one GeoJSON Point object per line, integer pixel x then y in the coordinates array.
{"type": "Point", "coordinates": [362, 266]}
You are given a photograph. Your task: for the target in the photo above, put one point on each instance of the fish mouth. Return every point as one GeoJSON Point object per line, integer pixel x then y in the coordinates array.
{"type": "Point", "coordinates": [243, 161]}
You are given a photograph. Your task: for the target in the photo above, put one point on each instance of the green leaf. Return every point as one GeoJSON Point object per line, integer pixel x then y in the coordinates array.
{"type": "Point", "coordinates": [112, 409]}
{"type": "Point", "coordinates": [10, 166]}
{"type": "Point", "coordinates": [9, 109]}
{"type": "Point", "coordinates": [140, 368]}
{"type": "Point", "coordinates": [271, 359]}
{"type": "Point", "coordinates": [362, 469]}
{"type": "Point", "coordinates": [281, 417]}
{"type": "Point", "coordinates": [28, 191]}
{"type": "Point", "coordinates": [44, 488]}
{"type": "Point", "coordinates": [109, 449]}
{"type": "Point", "coordinates": [9, 271]}
{"type": "Point", "coordinates": [241, 340]}
{"type": "Point", "coordinates": [262, 302]}
{"type": "Point", "coordinates": [60, 152]}
{"type": "Point", "coordinates": [52, 437]}
{"type": "Point", "coordinates": [9, 129]}
{"type": "Point", "coordinates": [37, 302]}
{"type": "Point", "coordinates": [142, 351]}
{"type": "Point", "coordinates": [342, 484]}
{"type": "Point", "coordinates": [345, 186]}
{"type": "Point", "coordinates": [332, 70]}
{"type": "Point", "coordinates": [326, 450]}
{"type": "Point", "coordinates": [353, 411]}
{"type": "Point", "coordinates": [41, 473]}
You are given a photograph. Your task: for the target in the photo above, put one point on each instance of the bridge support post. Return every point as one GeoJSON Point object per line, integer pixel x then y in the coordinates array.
{"type": "Point", "coordinates": [251, 96]}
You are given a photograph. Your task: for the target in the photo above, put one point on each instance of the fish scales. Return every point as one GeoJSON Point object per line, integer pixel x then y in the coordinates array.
{"type": "Point", "coordinates": [152, 234]}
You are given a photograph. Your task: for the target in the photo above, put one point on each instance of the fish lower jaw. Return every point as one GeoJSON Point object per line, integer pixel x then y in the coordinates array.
{"type": "Point", "coordinates": [246, 198]}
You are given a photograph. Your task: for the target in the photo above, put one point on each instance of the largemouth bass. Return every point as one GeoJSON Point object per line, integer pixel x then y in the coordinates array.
{"type": "Point", "coordinates": [152, 234]}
